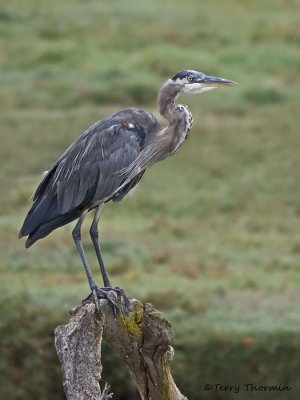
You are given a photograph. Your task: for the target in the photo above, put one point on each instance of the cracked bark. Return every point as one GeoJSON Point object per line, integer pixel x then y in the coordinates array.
{"type": "Point", "coordinates": [140, 336]}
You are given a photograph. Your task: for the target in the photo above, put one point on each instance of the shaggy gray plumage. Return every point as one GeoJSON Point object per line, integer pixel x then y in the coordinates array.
{"type": "Point", "coordinates": [108, 160]}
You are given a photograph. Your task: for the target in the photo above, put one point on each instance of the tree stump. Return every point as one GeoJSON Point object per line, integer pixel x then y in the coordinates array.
{"type": "Point", "coordinates": [139, 334]}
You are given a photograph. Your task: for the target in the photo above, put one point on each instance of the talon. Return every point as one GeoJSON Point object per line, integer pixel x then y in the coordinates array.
{"type": "Point", "coordinates": [116, 297]}
{"type": "Point", "coordinates": [96, 299]}
{"type": "Point", "coordinates": [93, 296]}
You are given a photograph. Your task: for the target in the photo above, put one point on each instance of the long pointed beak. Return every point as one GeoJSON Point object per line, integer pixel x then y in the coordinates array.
{"type": "Point", "coordinates": [213, 81]}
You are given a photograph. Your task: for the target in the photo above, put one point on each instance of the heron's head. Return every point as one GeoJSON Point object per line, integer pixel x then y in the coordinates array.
{"type": "Point", "coordinates": [193, 82]}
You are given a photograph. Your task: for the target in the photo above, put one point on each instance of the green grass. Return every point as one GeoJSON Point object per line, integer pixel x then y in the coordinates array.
{"type": "Point", "coordinates": [211, 236]}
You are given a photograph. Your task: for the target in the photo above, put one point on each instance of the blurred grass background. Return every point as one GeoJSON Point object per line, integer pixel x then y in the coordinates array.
{"type": "Point", "coordinates": [211, 237]}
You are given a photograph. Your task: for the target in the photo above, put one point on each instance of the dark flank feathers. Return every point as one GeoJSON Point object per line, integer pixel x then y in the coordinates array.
{"type": "Point", "coordinates": [90, 171]}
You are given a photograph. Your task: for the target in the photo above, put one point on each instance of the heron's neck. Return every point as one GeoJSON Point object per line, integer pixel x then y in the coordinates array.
{"type": "Point", "coordinates": [166, 100]}
{"type": "Point", "coordinates": [179, 117]}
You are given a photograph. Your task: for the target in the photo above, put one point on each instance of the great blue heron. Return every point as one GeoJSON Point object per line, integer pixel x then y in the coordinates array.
{"type": "Point", "coordinates": [107, 161]}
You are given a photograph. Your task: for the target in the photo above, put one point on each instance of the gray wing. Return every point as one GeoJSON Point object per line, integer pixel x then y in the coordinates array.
{"type": "Point", "coordinates": [89, 171]}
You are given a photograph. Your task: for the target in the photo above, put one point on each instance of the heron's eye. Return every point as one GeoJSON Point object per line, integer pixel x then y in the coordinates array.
{"type": "Point", "coordinates": [190, 78]}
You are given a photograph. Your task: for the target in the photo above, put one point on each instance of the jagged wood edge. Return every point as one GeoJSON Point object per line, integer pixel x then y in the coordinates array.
{"type": "Point", "coordinates": [140, 335]}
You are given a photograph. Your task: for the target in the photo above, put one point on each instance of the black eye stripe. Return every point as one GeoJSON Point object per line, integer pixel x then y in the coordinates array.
{"type": "Point", "coordinates": [186, 74]}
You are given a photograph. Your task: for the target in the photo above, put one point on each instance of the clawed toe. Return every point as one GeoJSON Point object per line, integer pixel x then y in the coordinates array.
{"type": "Point", "coordinates": [115, 295]}
{"type": "Point", "coordinates": [123, 297]}
{"type": "Point", "coordinates": [96, 298]}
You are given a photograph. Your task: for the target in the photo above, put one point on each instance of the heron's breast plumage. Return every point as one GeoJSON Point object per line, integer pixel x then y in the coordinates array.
{"type": "Point", "coordinates": [184, 125]}
{"type": "Point", "coordinates": [189, 120]}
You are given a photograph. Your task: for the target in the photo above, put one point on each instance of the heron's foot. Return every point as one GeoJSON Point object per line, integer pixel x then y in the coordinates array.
{"type": "Point", "coordinates": [93, 296]}
{"type": "Point", "coordinates": [115, 295]}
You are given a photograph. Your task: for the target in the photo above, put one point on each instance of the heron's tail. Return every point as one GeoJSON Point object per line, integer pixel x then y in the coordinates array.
{"type": "Point", "coordinates": [43, 218]}
{"type": "Point", "coordinates": [44, 229]}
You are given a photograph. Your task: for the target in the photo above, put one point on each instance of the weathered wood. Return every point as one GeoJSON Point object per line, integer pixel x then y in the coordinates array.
{"type": "Point", "coordinates": [139, 334]}
{"type": "Point", "coordinates": [78, 345]}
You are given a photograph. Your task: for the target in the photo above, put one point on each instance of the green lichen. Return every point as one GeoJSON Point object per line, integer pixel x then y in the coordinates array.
{"type": "Point", "coordinates": [169, 388]}
{"type": "Point", "coordinates": [131, 322]}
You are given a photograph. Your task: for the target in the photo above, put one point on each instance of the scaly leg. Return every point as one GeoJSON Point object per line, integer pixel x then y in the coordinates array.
{"type": "Point", "coordinates": [76, 233]}
{"type": "Point", "coordinates": [95, 239]}
{"type": "Point", "coordinates": [108, 289]}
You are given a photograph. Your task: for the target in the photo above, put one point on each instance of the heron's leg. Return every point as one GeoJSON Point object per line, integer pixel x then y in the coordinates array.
{"type": "Point", "coordinates": [76, 233]}
{"type": "Point", "coordinates": [95, 239]}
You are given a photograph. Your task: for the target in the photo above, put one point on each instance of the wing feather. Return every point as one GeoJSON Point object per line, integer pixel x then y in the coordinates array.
{"type": "Point", "coordinates": [89, 171]}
